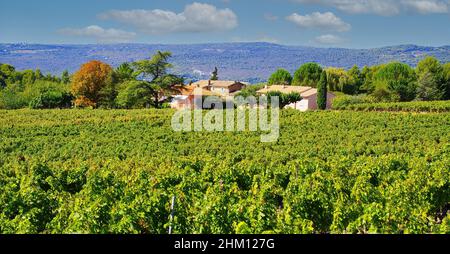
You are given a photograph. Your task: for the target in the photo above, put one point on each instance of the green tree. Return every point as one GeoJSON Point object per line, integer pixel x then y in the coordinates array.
{"type": "Point", "coordinates": [215, 74]}
{"type": "Point", "coordinates": [10, 74]}
{"type": "Point", "coordinates": [38, 74]}
{"type": "Point", "coordinates": [429, 65]}
{"type": "Point", "coordinates": [163, 86]}
{"type": "Point", "coordinates": [322, 92]}
{"type": "Point", "coordinates": [366, 76]}
{"type": "Point", "coordinates": [11, 97]}
{"type": "Point", "coordinates": [7, 69]}
{"type": "Point", "coordinates": [108, 95]}
{"type": "Point", "coordinates": [280, 77]}
{"type": "Point", "coordinates": [65, 77]}
{"type": "Point", "coordinates": [430, 73]}
{"type": "Point", "coordinates": [28, 77]}
{"type": "Point", "coordinates": [290, 98]}
{"type": "Point", "coordinates": [251, 90]}
{"type": "Point", "coordinates": [307, 75]}
{"type": "Point", "coordinates": [143, 94]}
{"type": "Point", "coordinates": [48, 95]}
{"type": "Point", "coordinates": [428, 88]}
{"type": "Point", "coordinates": [395, 81]}
{"type": "Point", "coordinates": [40, 94]}
{"type": "Point", "coordinates": [350, 81]}
{"type": "Point", "coordinates": [2, 78]}
{"type": "Point", "coordinates": [154, 68]}
{"type": "Point", "coordinates": [2, 81]}
{"type": "Point", "coordinates": [49, 77]}
{"type": "Point", "coordinates": [124, 72]}
{"type": "Point", "coordinates": [446, 81]}
{"type": "Point", "coordinates": [334, 77]}
{"type": "Point", "coordinates": [135, 94]}
{"type": "Point", "coordinates": [284, 99]}
{"type": "Point", "coordinates": [355, 81]}
{"type": "Point", "coordinates": [155, 72]}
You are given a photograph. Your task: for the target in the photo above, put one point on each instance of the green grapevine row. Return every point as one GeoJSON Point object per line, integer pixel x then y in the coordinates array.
{"type": "Point", "coordinates": [415, 106]}
{"type": "Point", "coordinates": [99, 171]}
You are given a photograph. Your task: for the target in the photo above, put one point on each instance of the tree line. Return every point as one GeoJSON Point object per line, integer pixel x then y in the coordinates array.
{"type": "Point", "coordinates": [391, 82]}
{"type": "Point", "coordinates": [141, 84]}
{"type": "Point", "coordinates": [148, 83]}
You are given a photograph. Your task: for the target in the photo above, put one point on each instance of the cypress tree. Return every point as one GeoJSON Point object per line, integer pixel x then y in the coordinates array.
{"type": "Point", "coordinates": [65, 77]}
{"type": "Point", "coordinates": [322, 92]}
{"type": "Point", "coordinates": [215, 74]}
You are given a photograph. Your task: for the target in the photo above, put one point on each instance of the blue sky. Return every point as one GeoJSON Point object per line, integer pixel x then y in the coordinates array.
{"type": "Point", "coordinates": [322, 23]}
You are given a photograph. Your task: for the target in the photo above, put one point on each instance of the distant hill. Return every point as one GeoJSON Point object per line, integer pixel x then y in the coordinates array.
{"type": "Point", "coordinates": [252, 62]}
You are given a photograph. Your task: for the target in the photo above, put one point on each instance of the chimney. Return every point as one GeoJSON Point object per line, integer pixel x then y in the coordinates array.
{"type": "Point", "coordinates": [209, 82]}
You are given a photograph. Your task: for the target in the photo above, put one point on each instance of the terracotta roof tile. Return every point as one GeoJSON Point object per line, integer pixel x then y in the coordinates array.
{"type": "Point", "coordinates": [285, 89]}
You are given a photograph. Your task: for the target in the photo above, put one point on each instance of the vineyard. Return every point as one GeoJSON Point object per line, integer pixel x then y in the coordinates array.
{"type": "Point", "coordinates": [100, 171]}
{"type": "Point", "coordinates": [415, 106]}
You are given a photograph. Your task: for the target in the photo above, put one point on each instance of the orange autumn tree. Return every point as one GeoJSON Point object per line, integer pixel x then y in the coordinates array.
{"type": "Point", "coordinates": [88, 82]}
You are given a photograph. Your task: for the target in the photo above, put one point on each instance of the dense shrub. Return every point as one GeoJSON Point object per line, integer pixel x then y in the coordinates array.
{"type": "Point", "coordinates": [12, 97]}
{"type": "Point", "coordinates": [40, 94]}
{"type": "Point", "coordinates": [341, 102]}
{"type": "Point", "coordinates": [415, 106]}
{"type": "Point", "coordinates": [52, 99]}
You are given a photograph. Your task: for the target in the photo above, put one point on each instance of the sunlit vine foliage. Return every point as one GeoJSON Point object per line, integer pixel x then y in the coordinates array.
{"type": "Point", "coordinates": [96, 171]}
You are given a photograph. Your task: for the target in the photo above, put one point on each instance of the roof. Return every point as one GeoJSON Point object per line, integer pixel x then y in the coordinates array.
{"type": "Point", "coordinates": [285, 89]}
{"type": "Point", "coordinates": [183, 90]}
{"type": "Point", "coordinates": [304, 91]}
{"type": "Point", "coordinates": [215, 83]}
{"type": "Point", "coordinates": [204, 92]}
{"type": "Point", "coordinates": [193, 90]}
{"type": "Point", "coordinates": [310, 92]}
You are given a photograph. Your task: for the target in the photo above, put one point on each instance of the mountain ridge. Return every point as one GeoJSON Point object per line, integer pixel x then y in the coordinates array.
{"type": "Point", "coordinates": [247, 61]}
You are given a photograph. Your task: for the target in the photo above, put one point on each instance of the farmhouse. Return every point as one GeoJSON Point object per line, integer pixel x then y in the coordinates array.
{"type": "Point", "coordinates": [184, 97]}
{"type": "Point", "coordinates": [309, 95]}
{"type": "Point", "coordinates": [222, 87]}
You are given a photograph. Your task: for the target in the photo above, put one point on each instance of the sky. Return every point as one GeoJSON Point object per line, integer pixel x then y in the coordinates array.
{"type": "Point", "coordinates": [318, 23]}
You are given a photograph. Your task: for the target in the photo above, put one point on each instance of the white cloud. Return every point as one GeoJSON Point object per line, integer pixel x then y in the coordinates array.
{"type": "Point", "coordinates": [324, 21]}
{"type": "Point", "coordinates": [329, 39]}
{"type": "Point", "coordinates": [384, 7]}
{"type": "Point", "coordinates": [196, 17]}
{"type": "Point", "coordinates": [100, 34]}
{"type": "Point", "coordinates": [426, 6]}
